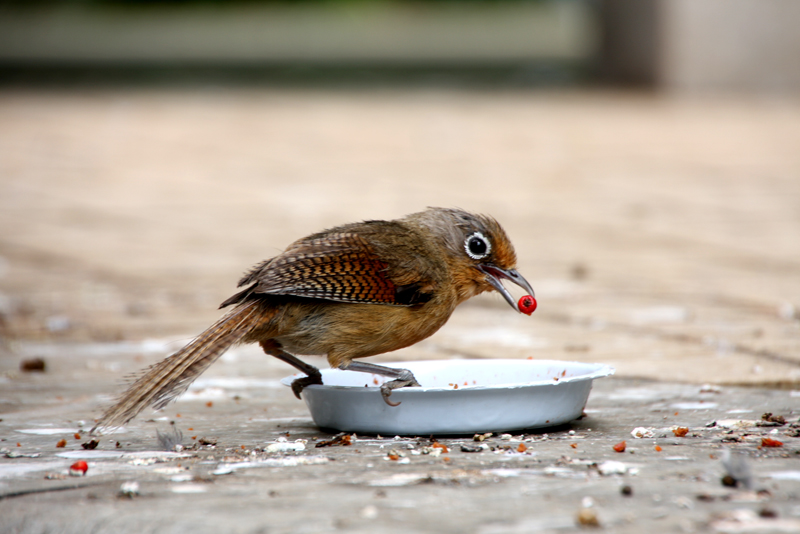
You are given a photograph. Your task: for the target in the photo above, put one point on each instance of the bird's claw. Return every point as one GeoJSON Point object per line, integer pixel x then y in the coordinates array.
{"type": "Point", "coordinates": [386, 389]}
{"type": "Point", "coordinates": [299, 384]}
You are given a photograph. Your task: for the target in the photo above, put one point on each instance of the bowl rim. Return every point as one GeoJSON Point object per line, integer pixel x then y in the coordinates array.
{"type": "Point", "coordinates": [600, 370]}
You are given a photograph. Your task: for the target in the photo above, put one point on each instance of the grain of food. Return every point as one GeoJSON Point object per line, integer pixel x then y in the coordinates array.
{"type": "Point", "coordinates": [680, 431]}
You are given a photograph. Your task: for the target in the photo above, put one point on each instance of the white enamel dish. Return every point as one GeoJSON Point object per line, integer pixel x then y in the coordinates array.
{"type": "Point", "coordinates": [491, 396]}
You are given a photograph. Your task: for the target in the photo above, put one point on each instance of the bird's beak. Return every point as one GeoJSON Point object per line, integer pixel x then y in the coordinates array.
{"type": "Point", "coordinates": [495, 275]}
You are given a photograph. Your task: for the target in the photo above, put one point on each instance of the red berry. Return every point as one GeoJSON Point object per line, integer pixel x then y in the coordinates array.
{"type": "Point", "coordinates": [527, 304]}
{"type": "Point", "coordinates": [620, 447]}
{"type": "Point", "coordinates": [79, 468]}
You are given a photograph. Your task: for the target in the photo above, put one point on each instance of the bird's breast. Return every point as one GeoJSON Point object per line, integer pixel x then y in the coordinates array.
{"type": "Point", "coordinates": [344, 331]}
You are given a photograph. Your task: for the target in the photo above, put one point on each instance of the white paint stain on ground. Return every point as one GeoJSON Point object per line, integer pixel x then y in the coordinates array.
{"type": "Point", "coordinates": [288, 461]}
{"type": "Point", "coordinates": [203, 394]}
{"type": "Point", "coordinates": [694, 405]}
{"type": "Point", "coordinates": [189, 488]}
{"type": "Point", "coordinates": [90, 455]}
{"type": "Point", "coordinates": [233, 382]}
{"type": "Point", "coordinates": [48, 431]}
{"type": "Point", "coordinates": [785, 475]}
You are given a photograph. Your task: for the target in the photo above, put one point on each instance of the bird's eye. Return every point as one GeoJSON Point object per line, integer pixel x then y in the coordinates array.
{"type": "Point", "coordinates": [477, 246]}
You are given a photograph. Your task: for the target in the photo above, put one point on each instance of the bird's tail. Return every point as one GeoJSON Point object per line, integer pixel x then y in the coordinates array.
{"type": "Point", "coordinates": [162, 382]}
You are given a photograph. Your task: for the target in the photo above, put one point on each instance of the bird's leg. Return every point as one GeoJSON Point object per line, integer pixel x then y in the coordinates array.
{"type": "Point", "coordinates": [313, 376]}
{"type": "Point", "coordinates": [402, 377]}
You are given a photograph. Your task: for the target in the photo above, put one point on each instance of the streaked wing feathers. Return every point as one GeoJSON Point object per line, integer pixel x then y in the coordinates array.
{"type": "Point", "coordinates": [338, 266]}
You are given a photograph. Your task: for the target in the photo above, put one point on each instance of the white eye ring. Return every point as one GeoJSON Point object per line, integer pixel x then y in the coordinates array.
{"type": "Point", "coordinates": [479, 239]}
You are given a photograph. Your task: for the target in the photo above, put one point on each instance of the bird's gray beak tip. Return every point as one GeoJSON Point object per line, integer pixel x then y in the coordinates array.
{"type": "Point", "coordinates": [495, 275]}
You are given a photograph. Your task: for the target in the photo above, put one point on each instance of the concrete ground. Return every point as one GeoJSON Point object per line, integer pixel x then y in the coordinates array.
{"type": "Point", "coordinates": [661, 235]}
{"type": "Point", "coordinates": [523, 482]}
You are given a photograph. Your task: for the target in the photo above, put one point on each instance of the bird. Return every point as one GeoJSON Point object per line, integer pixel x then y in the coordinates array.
{"type": "Point", "coordinates": [347, 293]}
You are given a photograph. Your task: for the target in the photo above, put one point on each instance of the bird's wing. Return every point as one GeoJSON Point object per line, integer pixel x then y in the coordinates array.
{"type": "Point", "coordinates": [344, 266]}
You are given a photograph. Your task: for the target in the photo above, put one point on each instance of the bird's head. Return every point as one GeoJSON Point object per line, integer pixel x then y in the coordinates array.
{"type": "Point", "coordinates": [480, 252]}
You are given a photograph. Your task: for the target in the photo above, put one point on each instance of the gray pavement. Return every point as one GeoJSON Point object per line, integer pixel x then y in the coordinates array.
{"type": "Point", "coordinates": [523, 482]}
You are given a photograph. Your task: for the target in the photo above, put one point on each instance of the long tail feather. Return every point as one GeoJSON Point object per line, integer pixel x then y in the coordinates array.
{"type": "Point", "coordinates": [166, 380]}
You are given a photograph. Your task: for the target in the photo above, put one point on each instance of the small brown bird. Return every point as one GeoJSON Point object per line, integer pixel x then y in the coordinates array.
{"type": "Point", "coordinates": [349, 292]}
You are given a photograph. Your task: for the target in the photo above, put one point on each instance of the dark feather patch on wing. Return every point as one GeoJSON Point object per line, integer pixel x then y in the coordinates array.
{"type": "Point", "coordinates": [338, 266]}
{"type": "Point", "coordinates": [411, 295]}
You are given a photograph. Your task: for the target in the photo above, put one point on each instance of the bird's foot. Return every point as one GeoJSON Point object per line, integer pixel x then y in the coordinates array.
{"type": "Point", "coordinates": [406, 379]}
{"type": "Point", "coordinates": [299, 384]}
{"type": "Point", "coordinates": [403, 378]}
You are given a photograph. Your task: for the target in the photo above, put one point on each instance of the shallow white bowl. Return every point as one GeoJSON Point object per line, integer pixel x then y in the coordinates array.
{"type": "Point", "coordinates": [491, 396]}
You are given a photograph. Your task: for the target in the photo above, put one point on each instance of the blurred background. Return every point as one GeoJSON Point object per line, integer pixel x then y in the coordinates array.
{"type": "Point", "coordinates": [644, 156]}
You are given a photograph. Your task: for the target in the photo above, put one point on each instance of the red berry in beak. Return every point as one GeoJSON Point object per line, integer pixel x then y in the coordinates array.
{"type": "Point", "coordinates": [79, 468]}
{"type": "Point", "coordinates": [527, 304]}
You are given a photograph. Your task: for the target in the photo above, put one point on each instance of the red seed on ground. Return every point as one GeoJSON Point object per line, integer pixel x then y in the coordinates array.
{"type": "Point", "coordinates": [769, 442]}
{"type": "Point", "coordinates": [527, 304]}
{"type": "Point", "coordinates": [79, 468]}
{"type": "Point", "coordinates": [620, 447]}
{"type": "Point", "coordinates": [438, 445]}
